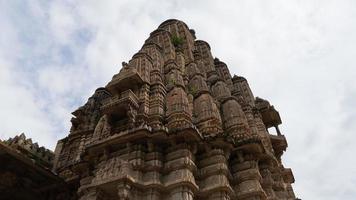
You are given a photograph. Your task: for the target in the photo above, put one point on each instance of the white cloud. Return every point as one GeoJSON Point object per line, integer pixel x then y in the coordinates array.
{"type": "Point", "coordinates": [20, 112]}
{"type": "Point", "coordinates": [298, 54]}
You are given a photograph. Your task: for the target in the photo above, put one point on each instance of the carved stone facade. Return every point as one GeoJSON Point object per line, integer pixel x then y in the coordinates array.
{"type": "Point", "coordinates": [174, 124]}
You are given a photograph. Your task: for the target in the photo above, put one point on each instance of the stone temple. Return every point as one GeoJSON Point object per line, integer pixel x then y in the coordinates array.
{"type": "Point", "coordinates": [173, 124]}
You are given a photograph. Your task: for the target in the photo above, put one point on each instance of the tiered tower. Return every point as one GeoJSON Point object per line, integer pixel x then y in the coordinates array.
{"type": "Point", "coordinates": [174, 124]}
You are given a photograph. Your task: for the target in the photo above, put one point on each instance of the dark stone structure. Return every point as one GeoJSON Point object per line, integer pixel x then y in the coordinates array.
{"type": "Point", "coordinates": [25, 171]}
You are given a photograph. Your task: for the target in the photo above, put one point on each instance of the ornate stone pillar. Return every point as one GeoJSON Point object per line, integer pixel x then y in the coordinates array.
{"type": "Point", "coordinates": [143, 111]}
{"type": "Point", "coordinates": [179, 167]}
{"type": "Point", "coordinates": [152, 176]}
{"type": "Point", "coordinates": [250, 118]}
{"type": "Point", "coordinates": [267, 180]}
{"type": "Point", "coordinates": [242, 87]}
{"type": "Point", "coordinates": [262, 131]}
{"type": "Point", "coordinates": [181, 193]}
{"type": "Point", "coordinates": [152, 194]}
{"type": "Point", "coordinates": [156, 112]}
{"type": "Point", "coordinates": [247, 179]}
{"type": "Point", "coordinates": [213, 174]}
{"type": "Point", "coordinates": [136, 156]}
{"type": "Point", "coordinates": [281, 187]}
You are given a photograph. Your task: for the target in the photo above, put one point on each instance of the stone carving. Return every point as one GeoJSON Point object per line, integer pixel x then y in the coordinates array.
{"type": "Point", "coordinates": [86, 116]}
{"type": "Point", "coordinates": [103, 128]}
{"type": "Point", "coordinates": [177, 108]}
{"type": "Point", "coordinates": [173, 124]}
{"type": "Point", "coordinates": [113, 168]}
{"type": "Point", "coordinates": [234, 118]}
{"type": "Point", "coordinates": [220, 91]}
{"type": "Point", "coordinates": [207, 116]}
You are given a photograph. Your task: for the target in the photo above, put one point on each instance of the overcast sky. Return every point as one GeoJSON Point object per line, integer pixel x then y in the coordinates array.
{"type": "Point", "coordinates": [300, 55]}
